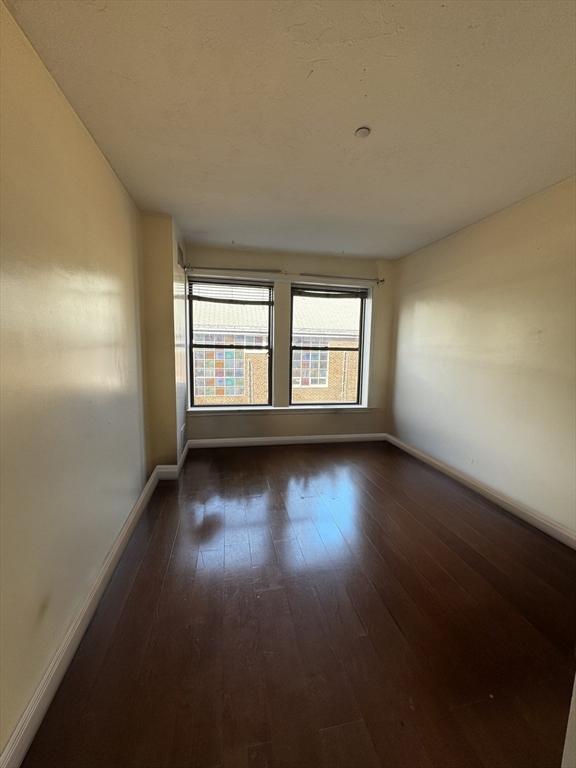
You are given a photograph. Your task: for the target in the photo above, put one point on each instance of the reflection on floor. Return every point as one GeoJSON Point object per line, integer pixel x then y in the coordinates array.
{"type": "Point", "coordinates": [331, 606]}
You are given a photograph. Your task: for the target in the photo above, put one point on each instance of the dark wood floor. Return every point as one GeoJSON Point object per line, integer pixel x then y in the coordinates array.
{"type": "Point", "coordinates": [322, 606]}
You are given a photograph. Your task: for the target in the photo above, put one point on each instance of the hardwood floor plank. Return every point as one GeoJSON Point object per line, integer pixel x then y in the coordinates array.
{"type": "Point", "coordinates": [500, 735]}
{"type": "Point", "coordinates": [544, 552]}
{"type": "Point", "coordinates": [198, 720]}
{"type": "Point", "coordinates": [428, 705]}
{"type": "Point", "coordinates": [548, 610]}
{"type": "Point", "coordinates": [245, 715]}
{"type": "Point", "coordinates": [451, 605]}
{"type": "Point", "coordinates": [386, 709]}
{"type": "Point", "coordinates": [309, 606]}
{"type": "Point", "coordinates": [348, 746]}
{"type": "Point", "coordinates": [332, 701]}
{"type": "Point", "coordinates": [489, 603]}
{"type": "Point", "coordinates": [294, 739]}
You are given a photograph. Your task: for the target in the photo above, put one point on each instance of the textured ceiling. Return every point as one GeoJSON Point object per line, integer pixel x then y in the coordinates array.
{"type": "Point", "coordinates": [238, 117]}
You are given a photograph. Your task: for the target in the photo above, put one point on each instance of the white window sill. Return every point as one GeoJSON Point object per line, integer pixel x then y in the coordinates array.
{"type": "Point", "coordinates": [271, 409]}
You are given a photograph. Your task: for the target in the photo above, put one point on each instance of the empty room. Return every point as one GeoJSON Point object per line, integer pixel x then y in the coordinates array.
{"type": "Point", "coordinates": [288, 383]}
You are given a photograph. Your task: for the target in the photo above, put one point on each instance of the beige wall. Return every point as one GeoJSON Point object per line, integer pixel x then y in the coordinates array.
{"type": "Point", "coordinates": [163, 310]}
{"type": "Point", "coordinates": [71, 436]}
{"type": "Point", "coordinates": [284, 424]}
{"type": "Point", "coordinates": [180, 343]}
{"type": "Point", "coordinates": [272, 424]}
{"type": "Point", "coordinates": [569, 755]}
{"type": "Point", "coordinates": [485, 372]}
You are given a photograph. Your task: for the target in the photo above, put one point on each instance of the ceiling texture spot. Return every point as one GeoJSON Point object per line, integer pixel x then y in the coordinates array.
{"type": "Point", "coordinates": [238, 116]}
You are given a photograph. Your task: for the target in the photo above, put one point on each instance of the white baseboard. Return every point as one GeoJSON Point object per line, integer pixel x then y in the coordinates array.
{"type": "Point", "coordinates": [165, 472]}
{"type": "Point", "coordinates": [569, 754]}
{"type": "Point", "coordinates": [236, 442]}
{"type": "Point", "coordinates": [171, 471]}
{"type": "Point", "coordinates": [23, 734]}
{"type": "Point", "coordinates": [556, 530]}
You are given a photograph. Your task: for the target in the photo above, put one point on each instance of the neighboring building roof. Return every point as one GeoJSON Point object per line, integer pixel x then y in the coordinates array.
{"type": "Point", "coordinates": [321, 317]}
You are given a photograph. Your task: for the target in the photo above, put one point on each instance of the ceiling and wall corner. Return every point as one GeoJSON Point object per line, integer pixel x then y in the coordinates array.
{"type": "Point", "coordinates": [239, 118]}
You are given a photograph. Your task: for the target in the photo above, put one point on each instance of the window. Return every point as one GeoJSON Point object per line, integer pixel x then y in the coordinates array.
{"type": "Point", "coordinates": [326, 345]}
{"type": "Point", "coordinates": [321, 328]}
{"type": "Point", "coordinates": [309, 367]}
{"type": "Point", "coordinates": [231, 352]}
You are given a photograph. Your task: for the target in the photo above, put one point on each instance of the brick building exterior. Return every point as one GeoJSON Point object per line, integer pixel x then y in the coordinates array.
{"type": "Point", "coordinates": [341, 385]}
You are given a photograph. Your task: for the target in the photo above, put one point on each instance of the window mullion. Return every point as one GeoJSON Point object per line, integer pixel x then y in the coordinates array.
{"type": "Point", "coordinates": [281, 336]}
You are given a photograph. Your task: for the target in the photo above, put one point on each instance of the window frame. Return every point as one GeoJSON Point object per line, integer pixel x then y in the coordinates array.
{"type": "Point", "coordinates": [268, 348]}
{"type": "Point", "coordinates": [359, 293]}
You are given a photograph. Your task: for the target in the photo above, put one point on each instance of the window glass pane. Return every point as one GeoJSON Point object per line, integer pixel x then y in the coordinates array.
{"type": "Point", "coordinates": [245, 382]}
{"type": "Point", "coordinates": [320, 321]}
{"type": "Point", "coordinates": [333, 380]}
{"type": "Point", "coordinates": [309, 368]}
{"type": "Point", "coordinates": [218, 322]}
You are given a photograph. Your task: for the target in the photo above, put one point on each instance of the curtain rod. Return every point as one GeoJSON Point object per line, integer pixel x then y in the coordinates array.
{"type": "Point", "coordinates": [281, 275]}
